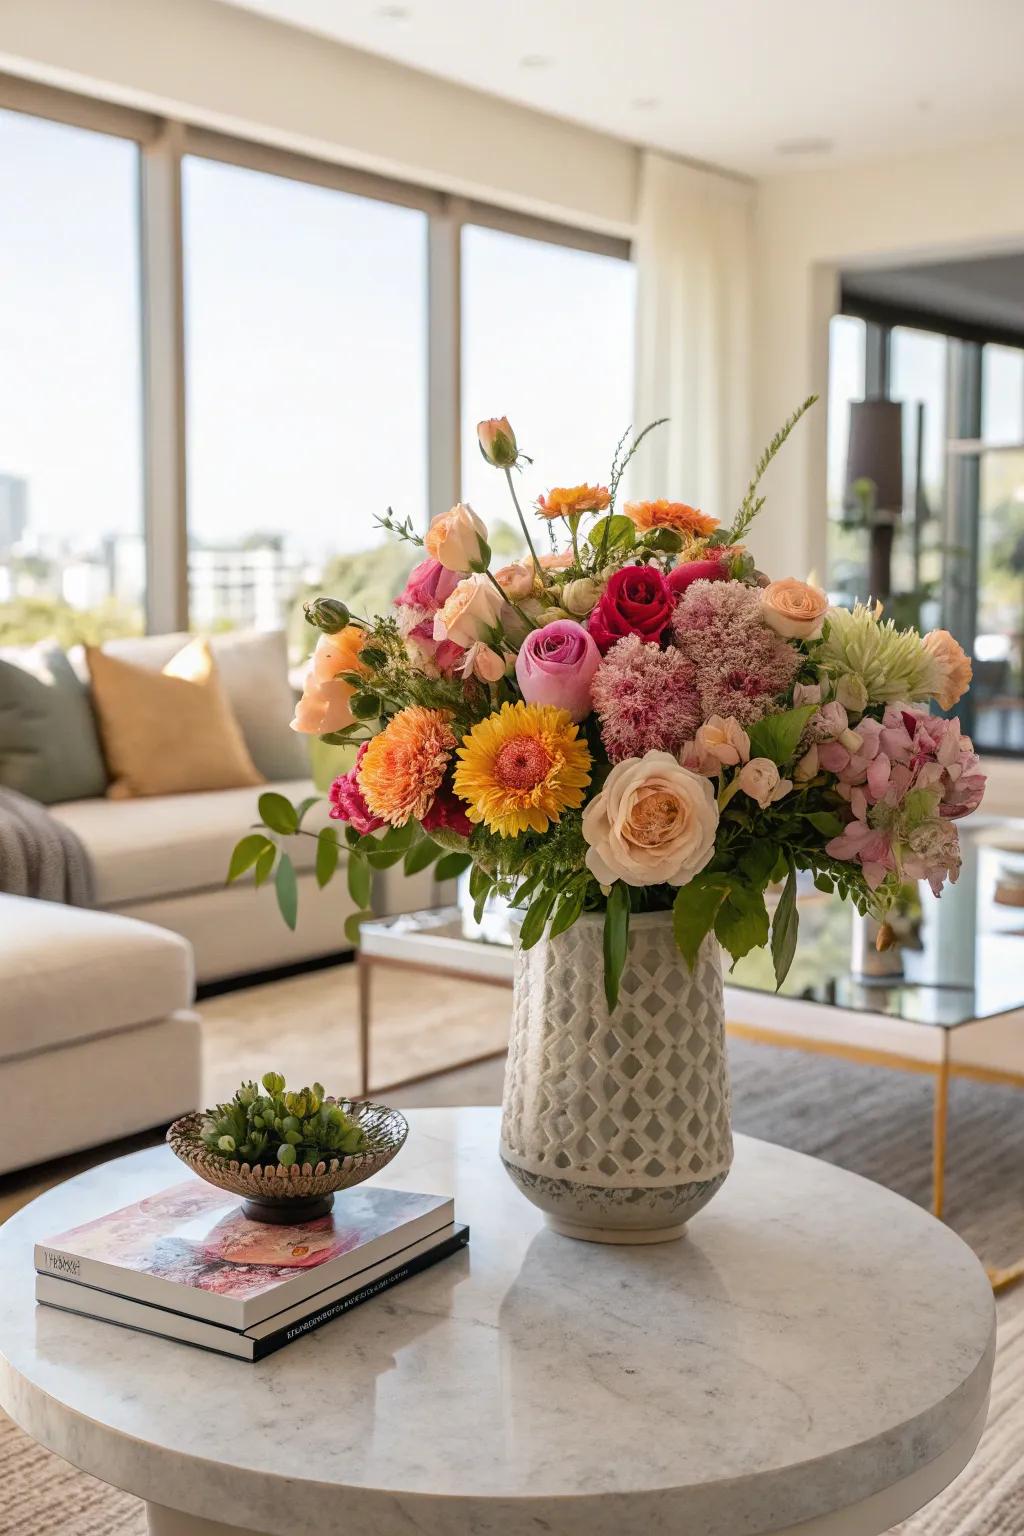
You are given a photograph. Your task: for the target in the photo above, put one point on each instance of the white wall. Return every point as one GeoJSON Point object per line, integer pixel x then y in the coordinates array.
{"type": "Point", "coordinates": [807, 227]}
{"type": "Point", "coordinates": [231, 70]}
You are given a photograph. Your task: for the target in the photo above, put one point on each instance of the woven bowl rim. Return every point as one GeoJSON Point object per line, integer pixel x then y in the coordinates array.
{"type": "Point", "coordinates": [272, 1179]}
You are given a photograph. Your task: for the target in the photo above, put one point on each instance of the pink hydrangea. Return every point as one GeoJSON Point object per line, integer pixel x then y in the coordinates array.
{"type": "Point", "coordinates": [347, 800]}
{"type": "Point", "coordinates": [645, 699]}
{"type": "Point", "coordinates": [741, 666]}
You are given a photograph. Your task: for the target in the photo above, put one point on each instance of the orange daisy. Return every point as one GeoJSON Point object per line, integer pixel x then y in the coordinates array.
{"type": "Point", "coordinates": [572, 500]}
{"type": "Point", "coordinates": [403, 768]}
{"type": "Point", "coordinates": [670, 514]}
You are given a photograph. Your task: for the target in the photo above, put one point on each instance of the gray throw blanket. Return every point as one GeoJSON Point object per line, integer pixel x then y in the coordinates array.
{"type": "Point", "coordinates": [41, 857]}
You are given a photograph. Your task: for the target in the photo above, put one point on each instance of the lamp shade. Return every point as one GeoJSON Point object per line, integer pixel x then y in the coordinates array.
{"type": "Point", "coordinates": [876, 451]}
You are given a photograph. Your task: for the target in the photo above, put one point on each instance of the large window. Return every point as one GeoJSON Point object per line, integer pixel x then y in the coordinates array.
{"type": "Point", "coordinates": [547, 340]}
{"type": "Point", "coordinates": [306, 368]}
{"type": "Point", "coordinates": [71, 498]}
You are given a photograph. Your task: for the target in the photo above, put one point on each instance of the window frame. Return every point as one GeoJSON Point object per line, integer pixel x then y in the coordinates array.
{"type": "Point", "coordinates": [163, 143]}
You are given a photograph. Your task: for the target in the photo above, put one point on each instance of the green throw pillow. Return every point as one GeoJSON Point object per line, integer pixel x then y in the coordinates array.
{"type": "Point", "coordinates": [49, 747]}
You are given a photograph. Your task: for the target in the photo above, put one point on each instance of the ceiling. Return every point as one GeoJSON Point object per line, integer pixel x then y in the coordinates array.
{"type": "Point", "coordinates": [757, 86]}
{"type": "Point", "coordinates": [987, 291]}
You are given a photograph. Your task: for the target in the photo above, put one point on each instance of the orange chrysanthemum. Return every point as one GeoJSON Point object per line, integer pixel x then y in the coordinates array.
{"type": "Point", "coordinates": [403, 768]}
{"type": "Point", "coordinates": [572, 500]}
{"type": "Point", "coordinates": [522, 767]}
{"type": "Point", "coordinates": [670, 514]}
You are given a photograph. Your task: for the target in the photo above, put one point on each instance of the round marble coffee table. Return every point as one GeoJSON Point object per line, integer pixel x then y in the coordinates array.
{"type": "Point", "coordinates": [813, 1356]}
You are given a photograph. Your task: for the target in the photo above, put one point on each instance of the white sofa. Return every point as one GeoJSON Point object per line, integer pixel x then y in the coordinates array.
{"type": "Point", "coordinates": [97, 1036]}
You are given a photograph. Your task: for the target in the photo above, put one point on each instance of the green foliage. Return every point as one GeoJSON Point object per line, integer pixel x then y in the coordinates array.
{"type": "Point", "coordinates": [24, 620]}
{"type": "Point", "coordinates": [287, 890]}
{"type": "Point", "coordinates": [327, 854]}
{"type": "Point", "coordinates": [623, 454]}
{"type": "Point", "coordinates": [246, 854]}
{"type": "Point", "coordinates": [694, 913]}
{"type": "Point", "coordinates": [275, 1126]}
{"type": "Point", "coordinates": [613, 534]}
{"type": "Point", "coordinates": [278, 813]}
{"type": "Point", "coordinates": [785, 923]}
{"type": "Point", "coordinates": [752, 503]}
{"type": "Point", "coordinates": [778, 736]}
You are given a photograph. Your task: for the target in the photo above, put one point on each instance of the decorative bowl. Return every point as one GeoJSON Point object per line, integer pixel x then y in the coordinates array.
{"type": "Point", "coordinates": [286, 1195]}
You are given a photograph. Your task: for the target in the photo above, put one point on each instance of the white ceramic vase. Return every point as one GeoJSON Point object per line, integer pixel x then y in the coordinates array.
{"type": "Point", "coordinates": [617, 1124]}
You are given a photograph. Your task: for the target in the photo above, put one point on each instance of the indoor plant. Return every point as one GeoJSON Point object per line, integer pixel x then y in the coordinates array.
{"type": "Point", "coordinates": [628, 738]}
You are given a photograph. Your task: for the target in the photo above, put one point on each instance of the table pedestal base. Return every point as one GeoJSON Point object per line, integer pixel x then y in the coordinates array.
{"type": "Point", "coordinates": [162, 1521]}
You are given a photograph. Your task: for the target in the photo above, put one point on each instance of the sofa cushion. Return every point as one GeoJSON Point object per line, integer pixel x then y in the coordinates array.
{"type": "Point", "coordinates": [168, 732]}
{"type": "Point", "coordinates": [70, 974]}
{"type": "Point", "coordinates": [253, 667]}
{"type": "Point", "coordinates": [175, 844]}
{"type": "Point", "coordinates": [49, 747]}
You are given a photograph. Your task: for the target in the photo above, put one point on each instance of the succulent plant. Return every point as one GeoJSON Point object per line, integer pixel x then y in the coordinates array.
{"type": "Point", "coordinates": [275, 1126]}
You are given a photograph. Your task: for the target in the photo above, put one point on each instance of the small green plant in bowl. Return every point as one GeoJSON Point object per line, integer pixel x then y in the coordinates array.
{"type": "Point", "coordinates": [288, 1153]}
{"type": "Point", "coordinates": [278, 1126]}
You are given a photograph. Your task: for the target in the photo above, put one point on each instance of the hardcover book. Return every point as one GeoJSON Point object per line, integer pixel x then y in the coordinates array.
{"type": "Point", "coordinates": [189, 1248]}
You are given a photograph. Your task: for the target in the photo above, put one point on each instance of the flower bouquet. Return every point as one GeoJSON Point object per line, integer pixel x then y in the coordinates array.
{"type": "Point", "coordinates": [634, 726]}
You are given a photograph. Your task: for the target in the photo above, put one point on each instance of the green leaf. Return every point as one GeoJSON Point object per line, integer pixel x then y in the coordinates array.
{"type": "Point", "coordinates": [304, 805]}
{"type": "Point", "coordinates": [620, 532]}
{"type": "Point", "coordinates": [398, 837]}
{"type": "Point", "coordinates": [381, 858]}
{"type": "Point", "coordinates": [287, 889]}
{"type": "Point", "coordinates": [326, 855]}
{"type": "Point", "coordinates": [264, 864]}
{"type": "Point", "coordinates": [246, 853]}
{"type": "Point", "coordinates": [785, 923]}
{"type": "Point", "coordinates": [616, 940]}
{"type": "Point", "coordinates": [534, 922]}
{"type": "Point", "coordinates": [420, 856]}
{"type": "Point", "coordinates": [665, 539]}
{"type": "Point", "coordinates": [353, 923]}
{"type": "Point", "coordinates": [824, 882]}
{"type": "Point", "coordinates": [277, 813]}
{"type": "Point", "coordinates": [372, 658]}
{"type": "Point", "coordinates": [825, 822]}
{"type": "Point", "coordinates": [522, 894]}
{"type": "Point", "coordinates": [365, 706]}
{"type": "Point", "coordinates": [352, 837]}
{"type": "Point", "coordinates": [452, 866]}
{"type": "Point", "coordinates": [778, 736]}
{"type": "Point", "coordinates": [344, 737]}
{"type": "Point", "coordinates": [742, 921]}
{"type": "Point", "coordinates": [480, 887]}
{"type": "Point", "coordinates": [693, 914]}
{"type": "Point", "coordinates": [757, 863]}
{"type": "Point", "coordinates": [360, 880]}
{"type": "Point", "coordinates": [569, 909]}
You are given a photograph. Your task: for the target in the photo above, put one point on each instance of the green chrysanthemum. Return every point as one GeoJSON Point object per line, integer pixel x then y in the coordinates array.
{"type": "Point", "coordinates": [891, 663]}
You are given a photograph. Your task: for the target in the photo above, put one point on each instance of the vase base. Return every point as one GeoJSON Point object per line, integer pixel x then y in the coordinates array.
{"type": "Point", "coordinates": [631, 1235]}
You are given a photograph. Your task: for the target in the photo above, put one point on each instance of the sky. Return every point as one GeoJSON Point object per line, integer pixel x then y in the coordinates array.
{"type": "Point", "coordinates": [306, 362]}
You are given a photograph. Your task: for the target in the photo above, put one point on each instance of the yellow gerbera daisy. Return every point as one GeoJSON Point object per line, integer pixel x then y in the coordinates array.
{"type": "Point", "coordinates": [521, 768]}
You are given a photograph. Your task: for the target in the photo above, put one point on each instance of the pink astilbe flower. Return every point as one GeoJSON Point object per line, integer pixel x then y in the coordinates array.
{"type": "Point", "coordinates": [645, 699]}
{"type": "Point", "coordinates": [742, 667]}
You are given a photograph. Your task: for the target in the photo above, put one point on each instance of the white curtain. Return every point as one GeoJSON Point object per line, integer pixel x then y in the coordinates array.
{"type": "Point", "coordinates": [694, 341]}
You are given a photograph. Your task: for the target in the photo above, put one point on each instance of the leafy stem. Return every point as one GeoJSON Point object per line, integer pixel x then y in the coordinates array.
{"type": "Point", "coordinates": [752, 503]}
{"type": "Point", "coordinates": [522, 522]}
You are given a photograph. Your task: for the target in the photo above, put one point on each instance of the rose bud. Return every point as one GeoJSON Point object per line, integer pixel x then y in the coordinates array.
{"type": "Point", "coordinates": [326, 613]}
{"type": "Point", "coordinates": [697, 570]}
{"type": "Point", "coordinates": [497, 442]}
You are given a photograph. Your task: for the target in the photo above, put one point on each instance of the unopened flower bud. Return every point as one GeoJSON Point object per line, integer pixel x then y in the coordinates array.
{"type": "Point", "coordinates": [579, 597]}
{"type": "Point", "coordinates": [497, 442]}
{"type": "Point", "coordinates": [328, 614]}
{"type": "Point", "coordinates": [807, 767]}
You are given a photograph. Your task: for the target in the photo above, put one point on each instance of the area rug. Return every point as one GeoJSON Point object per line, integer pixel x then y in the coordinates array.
{"type": "Point", "coordinates": [875, 1122]}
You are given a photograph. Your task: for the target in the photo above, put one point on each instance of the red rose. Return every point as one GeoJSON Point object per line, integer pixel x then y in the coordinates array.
{"type": "Point", "coordinates": [697, 570]}
{"type": "Point", "coordinates": [637, 601]}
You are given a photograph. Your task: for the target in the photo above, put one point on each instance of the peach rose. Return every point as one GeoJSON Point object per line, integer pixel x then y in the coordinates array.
{"type": "Point", "coordinates": [954, 666]}
{"type": "Point", "coordinates": [724, 740]}
{"type": "Point", "coordinates": [516, 580]}
{"type": "Point", "coordinates": [559, 562]}
{"type": "Point", "coordinates": [324, 705]}
{"type": "Point", "coordinates": [793, 609]}
{"type": "Point", "coordinates": [483, 663]}
{"type": "Point", "coordinates": [458, 539]}
{"type": "Point", "coordinates": [654, 822]}
{"type": "Point", "coordinates": [497, 441]}
{"type": "Point", "coordinates": [473, 608]}
{"type": "Point", "coordinates": [761, 781]}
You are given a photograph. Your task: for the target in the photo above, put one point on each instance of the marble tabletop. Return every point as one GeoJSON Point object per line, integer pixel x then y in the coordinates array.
{"type": "Point", "coordinates": [815, 1344]}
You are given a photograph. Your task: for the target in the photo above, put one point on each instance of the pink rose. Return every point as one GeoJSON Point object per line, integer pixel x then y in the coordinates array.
{"type": "Point", "coordinates": [636, 601]}
{"type": "Point", "coordinates": [516, 580]}
{"type": "Point", "coordinates": [556, 665]}
{"type": "Point", "coordinates": [483, 663]}
{"type": "Point", "coordinates": [348, 802]}
{"type": "Point", "coordinates": [429, 586]}
{"type": "Point", "coordinates": [697, 570]}
{"type": "Point", "coordinates": [724, 740]}
{"type": "Point", "coordinates": [761, 781]}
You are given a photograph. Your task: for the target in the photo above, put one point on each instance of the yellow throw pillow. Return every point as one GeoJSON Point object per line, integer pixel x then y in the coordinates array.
{"type": "Point", "coordinates": [169, 732]}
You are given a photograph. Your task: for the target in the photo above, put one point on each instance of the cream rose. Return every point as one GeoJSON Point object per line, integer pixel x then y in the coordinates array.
{"type": "Point", "coordinates": [761, 781]}
{"type": "Point", "coordinates": [457, 539]}
{"type": "Point", "coordinates": [654, 822]}
{"type": "Point", "coordinates": [473, 608]}
{"type": "Point", "coordinates": [793, 609]}
{"type": "Point", "coordinates": [725, 740]}
{"type": "Point", "coordinates": [954, 666]}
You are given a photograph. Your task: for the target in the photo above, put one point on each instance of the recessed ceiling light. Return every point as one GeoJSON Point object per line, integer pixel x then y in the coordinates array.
{"type": "Point", "coordinates": [393, 12]}
{"type": "Point", "coordinates": [808, 146]}
{"type": "Point", "coordinates": [923, 104]}
{"type": "Point", "coordinates": [534, 61]}
{"type": "Point", "coordinates": [645, 103]}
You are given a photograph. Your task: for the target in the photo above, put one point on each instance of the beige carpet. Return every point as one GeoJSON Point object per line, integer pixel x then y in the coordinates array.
{"type": "Point", "coordinates": [877, 1123]}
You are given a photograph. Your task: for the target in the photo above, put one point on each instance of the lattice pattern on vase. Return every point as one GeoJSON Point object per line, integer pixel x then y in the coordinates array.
{"type": "Point", "coordinates": [639, 1097]}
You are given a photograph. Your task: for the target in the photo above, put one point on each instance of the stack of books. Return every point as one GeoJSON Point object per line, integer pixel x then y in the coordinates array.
{"type": "Point", "coordinates": [184, 1263]}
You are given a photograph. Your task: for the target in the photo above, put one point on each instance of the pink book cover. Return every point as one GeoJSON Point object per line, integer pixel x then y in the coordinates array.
{"type": "Point", "coordinates": [190, 1248]}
